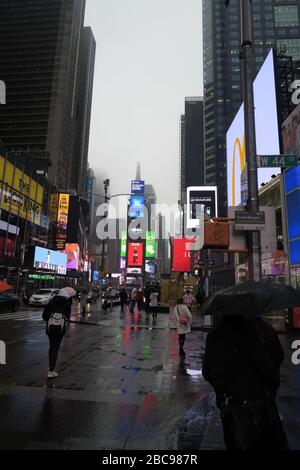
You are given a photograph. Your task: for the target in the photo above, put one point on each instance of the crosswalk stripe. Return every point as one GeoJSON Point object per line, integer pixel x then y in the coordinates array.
{"type": "Point", "coordinates": [22, 316]}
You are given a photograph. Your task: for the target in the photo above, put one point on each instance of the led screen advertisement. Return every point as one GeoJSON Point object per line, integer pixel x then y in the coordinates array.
{"type": "Point", "coordinates": [291, 133]}
{"type": "Point", "coordinates": [135, 254]}
{"type": "Point", "coordinates": [201, 197]}
{"type": "Point", "coordinates": [292, 198]}
{"type": "Point", "coordinates": [62, 221]}
{"type": "Point", "coordinates": [182, 255]}
{"type": "Point", "coordinates": [50, 260]}
{"type": "Point", "coordinates": [150, 267]}
{"type": "Point", "coordinates": [123, 244]}
{"type": "Point", "coordinates": [267, 135]}
{"type": "Point", "coordinates": [137, 205]}
{"type": "Point", "coordinates": [138, 187]}
{"type": "Point", "coordinates": [150, 245]}
{"type": "Point", "coordinates": [73, 252]}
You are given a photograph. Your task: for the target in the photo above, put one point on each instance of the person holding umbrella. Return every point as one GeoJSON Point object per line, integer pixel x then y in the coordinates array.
{"type": "Point", "coordinates": [55, 314]}
{"type": "Point", "coordinates": [242, 363]}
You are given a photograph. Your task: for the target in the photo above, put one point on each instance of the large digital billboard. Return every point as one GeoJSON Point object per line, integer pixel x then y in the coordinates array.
{"type": "Point", "coordinates": [292, 197]}
{"type": "Point", "coordinates": [50, 260]}
{"type": "Point", "coordinates": [136, 209]}
{"type": "Point", "coordinates": [20, 194]}
{"type": "Point", "coordinates": [73, 252]}
{"type": "Point", "coordinates": [181, 255]}
{"type": "Point", "coordinates": [123, 244]}
{"type": "Point", "coordinates": [291, 133]}
{"type": "Point", "coordinates": [138, 187]}
{"type": "Point", "coordinates": [150, 244]}
{"type": "Point", "coordinates": [267, 134]}
{"type": "Point", "coordinates": [62, 221]}
{"type": "Point", "coordinates": [201, 196]}
{"type": "Point", "coordinates": [135, 254]}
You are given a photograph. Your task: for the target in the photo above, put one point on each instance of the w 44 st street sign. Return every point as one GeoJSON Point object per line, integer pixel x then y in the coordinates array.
{"type": "Point", "coordinates": [268, 161]}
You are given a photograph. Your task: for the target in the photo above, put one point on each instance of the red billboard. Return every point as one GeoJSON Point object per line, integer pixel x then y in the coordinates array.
{"type": "Point", "coordinates": [135, 254]}
{"type": "Point", "coordinates": [182, 255]}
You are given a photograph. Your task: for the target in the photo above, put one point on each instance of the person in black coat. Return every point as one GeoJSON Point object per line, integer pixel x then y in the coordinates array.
{"type": "Point", "coordinates": [56, 312]}
{"type": "Point", "coordinates": [242, 362]}
{"type": "Point", "coordinates": [123, 298]}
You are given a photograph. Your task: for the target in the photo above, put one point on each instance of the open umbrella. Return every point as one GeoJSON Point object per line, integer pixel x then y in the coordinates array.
{"type": "Point", "coordinates": [5, 287]}
{"type": "Point", "coordinates": [251, 298]}
{"type": "Point", "coordinates": [70, 291]}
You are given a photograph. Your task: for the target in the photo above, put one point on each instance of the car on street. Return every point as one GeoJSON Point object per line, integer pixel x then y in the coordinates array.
{"type": "Point", "coordinates": [9, 302]}
{"type": "Point", "coordinates": [42, 297]}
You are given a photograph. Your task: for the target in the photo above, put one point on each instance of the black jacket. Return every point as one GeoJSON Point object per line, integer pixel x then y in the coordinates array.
{"type": "Point", "coordinates": [242, 359]}
{"type": "Point", "coordinates": [57, 305]}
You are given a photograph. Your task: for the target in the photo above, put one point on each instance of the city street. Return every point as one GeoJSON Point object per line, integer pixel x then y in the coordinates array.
{"type": "Point", "coordinates": [121, 385]}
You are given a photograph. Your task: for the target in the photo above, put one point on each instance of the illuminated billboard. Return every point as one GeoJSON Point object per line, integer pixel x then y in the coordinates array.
{"type": "Point", "coordinates": [123, 244]}
{"type": "Point", "coordinates": [150, 267]}
{"type": "Point", "coordinates": [62, 221]}
{"type": "Point", "coordinates": [291, 133]}
{"type": "Point", "coordinates": [182, 255]}
{"type": "Point", "coordinates": [73, 252]}
{"type": "Point", "coordinates": [137, 205]}
{"type": "Point", "coordinates": [198, 197]}
{"type": "Point", "coordinates": [135, 254]}
{"type": "Point", "coordinates": [50, 260]}
{"type": "Point", "coordinates": [150, 245]}
{"type": "Point", "coordinates": [292, 197]}
{"type": "Point", "coordinates": [19, 193]}
{"type": "Point", "coordinates": [267, 135]}
{"type": "Point", "coordinates": [138, 187]}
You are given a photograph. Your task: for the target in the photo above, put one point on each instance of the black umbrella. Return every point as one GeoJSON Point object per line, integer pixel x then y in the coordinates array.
{"type": "Point", "coordinates": [251, 298]}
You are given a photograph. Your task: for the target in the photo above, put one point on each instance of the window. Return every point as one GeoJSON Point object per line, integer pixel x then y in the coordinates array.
{"type": "Point", "coordinates": [286, 15]}
{"type": "Point", "coordinates": [292, 47]}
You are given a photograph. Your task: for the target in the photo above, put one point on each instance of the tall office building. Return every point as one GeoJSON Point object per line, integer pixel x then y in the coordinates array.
{"type": "Point", "coordinates": [48, 96]}
{"type": "Point", "coordinates": [87, 54]}
{"type": "Point", "coordinates": [275, 24]}
{"type": "Point", "coordinates": [192, 145]}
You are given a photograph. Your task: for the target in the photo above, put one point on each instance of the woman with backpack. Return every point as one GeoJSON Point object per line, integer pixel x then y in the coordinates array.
{"type": "Point", "coordinates": [183, 318]}
{"type": "Point", "coordinates": [56, 312]}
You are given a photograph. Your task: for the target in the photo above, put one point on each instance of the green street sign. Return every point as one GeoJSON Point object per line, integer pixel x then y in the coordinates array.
{"type": "Point", "coordinates": [269, 161]}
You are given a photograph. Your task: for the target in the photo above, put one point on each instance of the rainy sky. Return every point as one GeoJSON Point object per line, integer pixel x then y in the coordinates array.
{"type": "Point", "coordinates": [149, 57]}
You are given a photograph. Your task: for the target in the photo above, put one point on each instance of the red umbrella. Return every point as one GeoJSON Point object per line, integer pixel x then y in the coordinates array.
{"type": "Point", "coordinates": [4, 286]}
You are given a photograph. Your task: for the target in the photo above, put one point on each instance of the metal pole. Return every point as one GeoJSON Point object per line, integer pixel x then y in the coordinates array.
{"type": "Point", "coordinates": [253, 237]}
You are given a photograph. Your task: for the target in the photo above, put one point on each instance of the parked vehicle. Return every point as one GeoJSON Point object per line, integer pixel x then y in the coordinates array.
{"type": "Point", "coordinates": [42, 297]}
{"type": "Point", "coordinates": [9, 302]}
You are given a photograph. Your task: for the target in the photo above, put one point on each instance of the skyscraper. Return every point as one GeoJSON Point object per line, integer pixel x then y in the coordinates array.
{"type": "Point", "coordinates": [275, 24]}
{"type": "Point", "coordinates": [192, 145]}
{"type": "Point", "coordinates": [41, 57]}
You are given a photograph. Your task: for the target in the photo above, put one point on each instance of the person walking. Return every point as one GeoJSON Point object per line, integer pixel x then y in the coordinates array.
{"type": "Point", "coordinates": [83, 302]}
{"type": "Point", "coordinates": [55, 314]}
{"type": "Point", "coordinates": [189, 299]}
{"type": "Point", "coordinates": [123, 298]}
{"type": "Point", "coordinates": [154, 304]}
{"type": "Point", "coordinates": [133, 299]}
{"type": "Point", "coordinates": [242, 363]}
{"type": "Point", "coordinates": [183, 318]}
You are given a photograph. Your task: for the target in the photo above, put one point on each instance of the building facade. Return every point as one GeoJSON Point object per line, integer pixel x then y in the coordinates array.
{"type": "Point", "coordinates": [44, 51]}
{"type": "Point", "coordinates": [275, 24]}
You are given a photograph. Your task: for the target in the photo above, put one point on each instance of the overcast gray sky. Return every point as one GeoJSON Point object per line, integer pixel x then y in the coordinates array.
{"type": "Point", "coordinates": [149, 57]}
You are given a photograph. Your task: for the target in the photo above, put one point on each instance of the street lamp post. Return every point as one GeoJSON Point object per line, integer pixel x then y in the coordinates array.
{"type": "Point", "coordinates": [254, 242]}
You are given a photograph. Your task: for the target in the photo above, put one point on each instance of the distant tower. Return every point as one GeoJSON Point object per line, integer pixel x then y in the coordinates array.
{"type": "Point", "coordinates": [138, 172]}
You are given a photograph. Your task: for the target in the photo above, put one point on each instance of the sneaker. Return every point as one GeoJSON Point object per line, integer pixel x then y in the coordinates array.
{"type": "Point", "coordinates": [52, 375]}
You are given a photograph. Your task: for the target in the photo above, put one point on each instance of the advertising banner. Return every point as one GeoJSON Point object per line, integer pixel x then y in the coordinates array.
{"type": "Point", "coordinates": [50, 260]}
{"type": "Point", "coordinates": [136, 210]}
{"type": "Point", "coordinates": [135, 254]}
{"type": "Point", "coordinates": [73, 252]}
{"type": "Point", "coordinates": [150, 245]}
{"type": "Point", "coordinates": [62, 221]}
{"type": "Point", "coordinates": [292, 197]}
{"type": "Point", "coordinates": [123, 244]}
{"type": "Point", "coordinates": [201, 198]}
{"type": "Point", "coordinates": [20, 194]}
{"type": "Point", "coordinates": [138, 187]}
{"type": "Point", "coordinates": [182, 255]}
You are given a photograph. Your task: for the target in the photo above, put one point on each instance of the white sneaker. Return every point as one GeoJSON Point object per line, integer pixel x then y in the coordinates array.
{"type": "Point", "coordinates": [52, 375]}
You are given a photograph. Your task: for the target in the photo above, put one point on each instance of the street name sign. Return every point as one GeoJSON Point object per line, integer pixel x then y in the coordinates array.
{"type": "Point", "coordinates": [269, 161]}
{"type": "Point", "coordinates": [250, 221]}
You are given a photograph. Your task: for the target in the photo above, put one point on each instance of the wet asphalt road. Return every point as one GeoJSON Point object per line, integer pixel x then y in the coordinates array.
{"type": "Point", "coordinates": [121, 385]}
